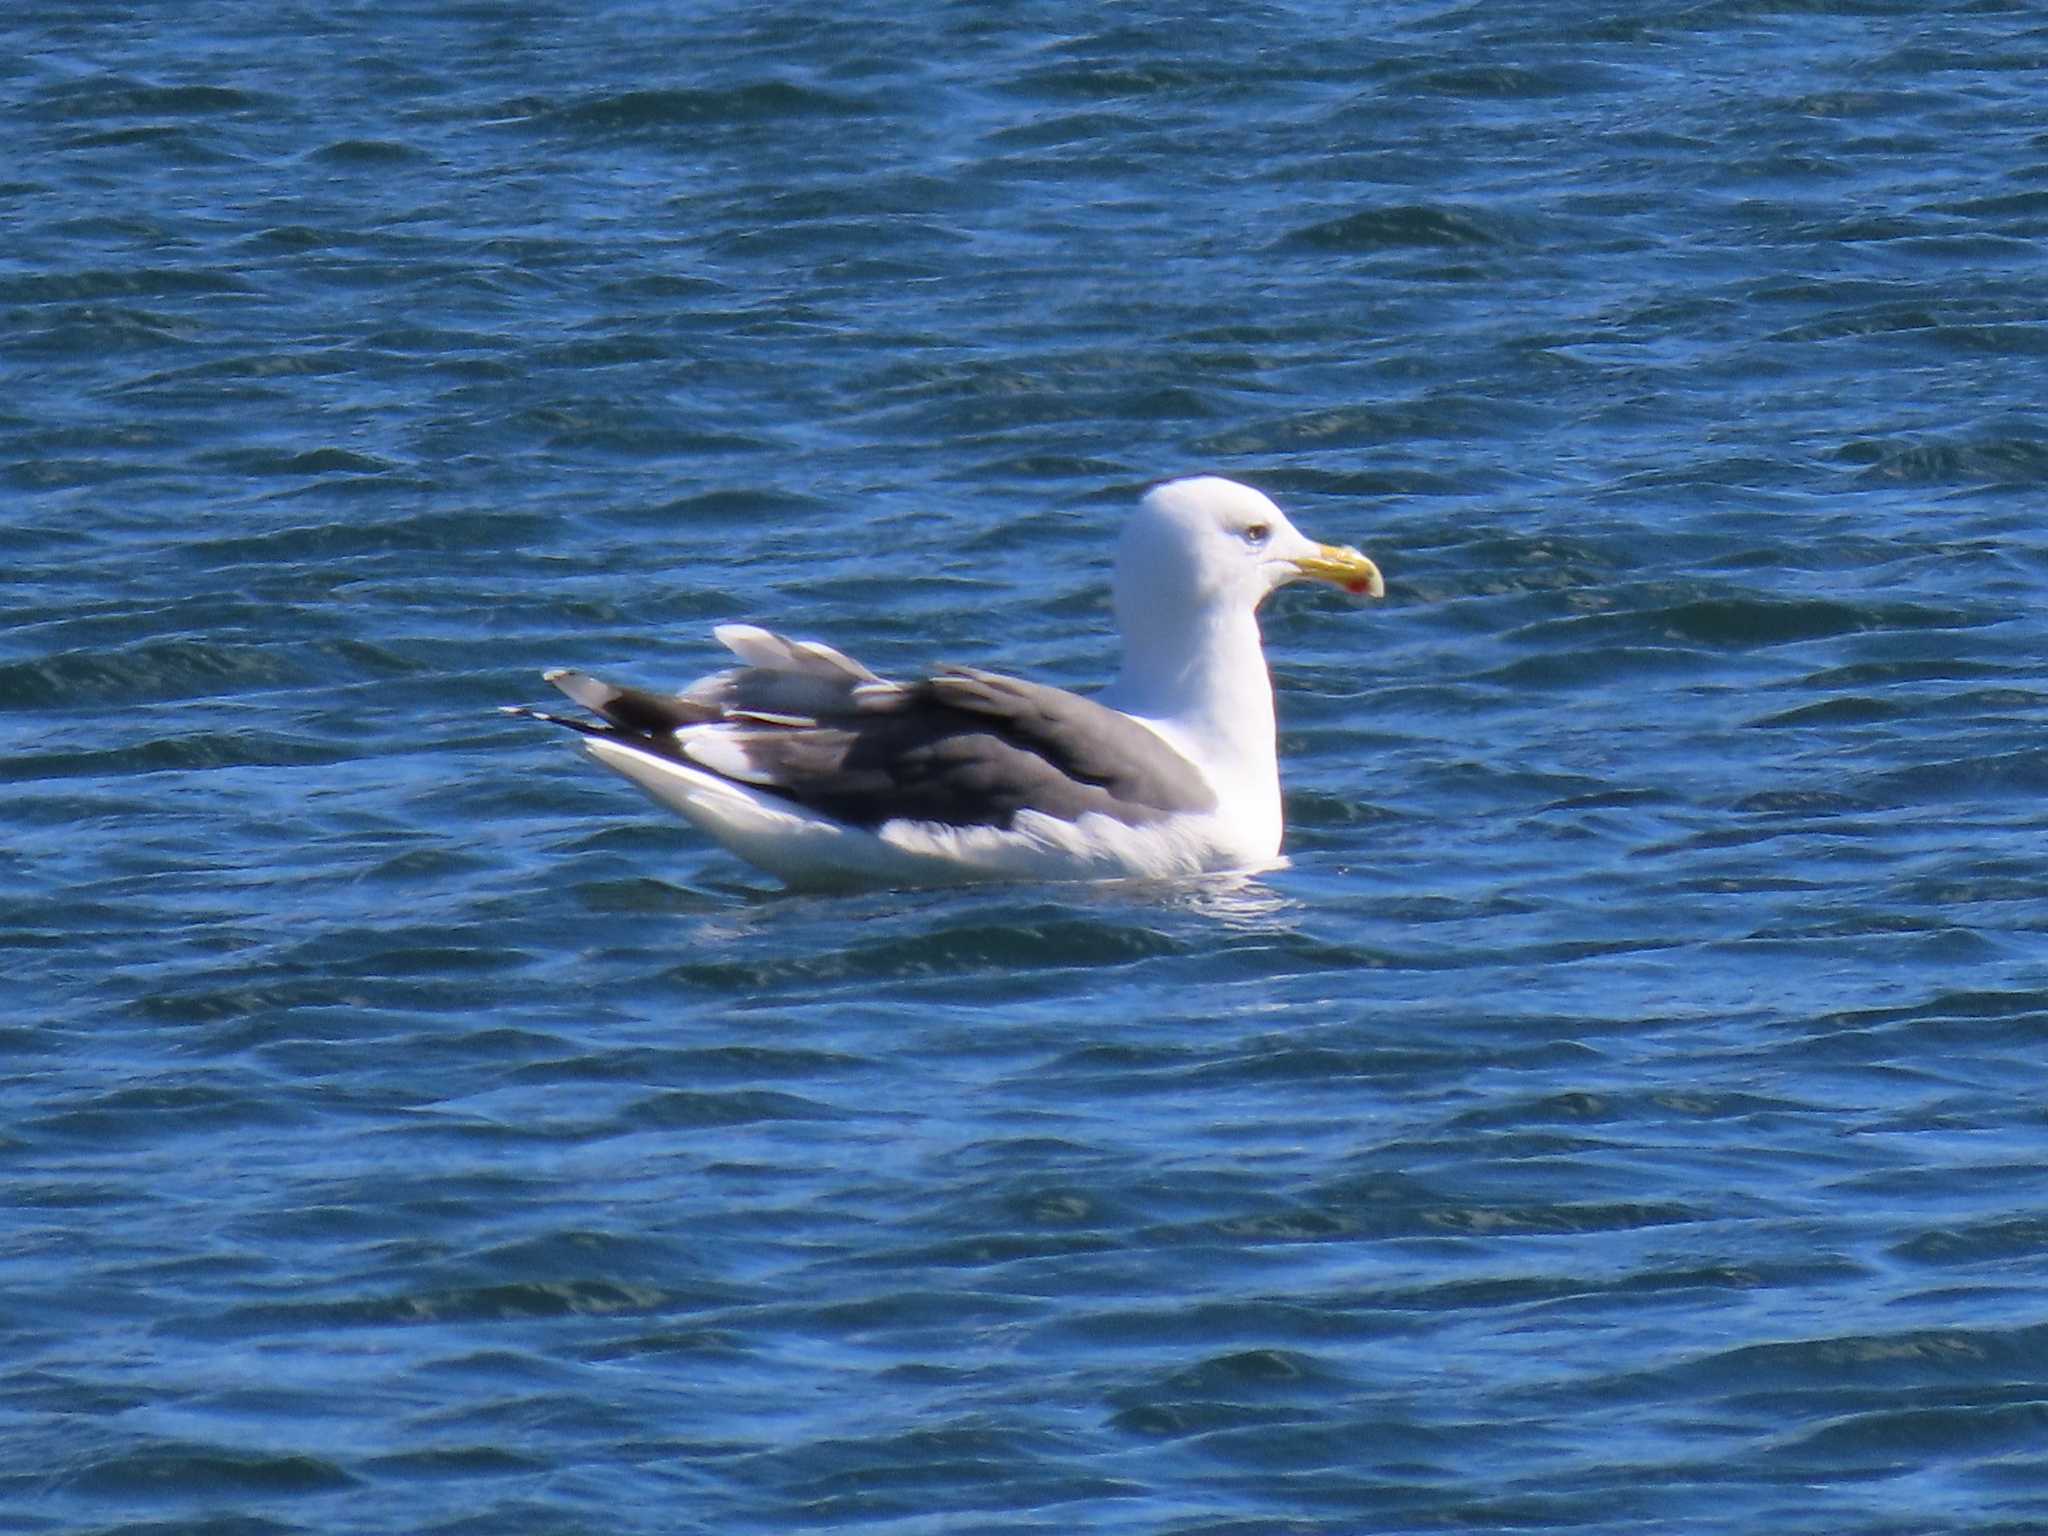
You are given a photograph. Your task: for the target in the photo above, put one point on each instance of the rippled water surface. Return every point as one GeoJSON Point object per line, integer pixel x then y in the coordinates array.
{"type": "Point", "coordinates": [1625, 1113]}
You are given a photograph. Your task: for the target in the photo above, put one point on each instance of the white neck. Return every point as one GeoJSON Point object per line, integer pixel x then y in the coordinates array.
{"type": "Point", "coordinates": [1199, 678]}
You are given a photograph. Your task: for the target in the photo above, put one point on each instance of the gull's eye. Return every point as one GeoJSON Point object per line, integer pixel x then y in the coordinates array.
{"type": "Point", "coordinates": [1257, 533]}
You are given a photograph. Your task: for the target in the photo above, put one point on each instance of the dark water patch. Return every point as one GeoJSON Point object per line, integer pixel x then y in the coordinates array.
{"type": "Point", "coordinates": [1582, 1108]}
{"type": "Point", "coordinates": [425, 866]}
{"type": "Point", "coordinates": [92, 330]}
{"type": "Point", "coordinates": [1175, 1418]}
{"type": "Point", "coordinates": [681, 1109]}
{"type": "Point", "coordinates": [1116, 79]}
{"type": "Point", "coordinates": [1998, 774]}
{"type": "Point", "coordinates": [252, 999]}
{"type": "Point", "coordinates": [164, 1110]}
{"type": "Point", "coordinates": [1997, 461]}
{"type": "Point", "coordinates": [1404, 227]}
{"type": "Point", "coordinates": [1364, 1211]}
{"type": "Point", "coordinates": [643, 896]}
{"type": "Point", "coordinates": [2031, 205]}
{"type": "Point", "coordinates": [1828, 713]}
{"type": "Point", "coordinates": [902, 1314]}
{"type": "Point", "coordinates": [371, 153]}
{"type": "Point", "coordinates": [1566, 672]}
{"type": "Point", "coordinates": [729, 1063]}
{"type": "Point", "coordinates": [1833, 1367]}
{"type": "Point", "coordinates": [658, 114]}
{"type": "Point", "coordinates": [1270, 1374]}
{"type": "Point", "coordinates": [229, 382]}
{"type": "Point", "coordinates": [1307, 810]}
{"type": "Point", "coordinates": [602, 352]}
{"type": "Point", "coordinates": [1987, 1243]}
{"type": "Point", "coordinates": [1240, 1390]}
{"type": "Point", "coordinates": [1104, 1061]}
{"type": "Point", "coordinates": [1972, 1023]}
{"type": "Point", "coordinates": [112, 285]}
{"type": "Point", "coordinates": [1919, 314]}
{"type": "Point", "coordinates": [452, 1462]}
{"type": "Point", "coordinates": [1448, 414]}
{"type": "Point", "coordinates": [264, 462]}
{"type": "Point", "coordinates": [1056, 130]}
{"type": "Point", "coordinates": [571, 429]}
{"type": "Point", "coordinates": [508, 1302]}
{"type": "Point", "coordinates": [996, 1249]}
{"type": "Point", "coordinates": [1018, 946]}
{"type": "Point", "coordinates": [184, 754]}
{"type": "Point", "coordinates": [451, 533]}
{"type": "Point", "coordinates": [566, 1254]}
{"type": "Point", "coordinates": [1898, 1440]}
{"type": "Point", "coordinates": [1901, 671]}
{"type": "Point", "coordinates": [681, 1343]}
{"type": "Point", "coordinates": [1733, 623]}
{"type": "Point", "coordinates": [272, 1002]}
{"type": "Point", "coordinates": [859, 244]}
{"type": "Point", "coordinates": [1517, 82]}
{"type": "Point", "coordinates": [154, 671]}
{"type": "Point", "coordinates": [171, 144]}
{"type": "Point", "coordinates": [1316, 1066]}
{"type": "Point", "coordinates": [114, 95]}
{"type": "Point", "coordinates": [186, 1472]}
{"type": "Point", "coordinates": [1032, 1206]}
{"type": "Point", "coordinates": [726, 509]}
{"type": "Point", "coordinates": [914, 1489]}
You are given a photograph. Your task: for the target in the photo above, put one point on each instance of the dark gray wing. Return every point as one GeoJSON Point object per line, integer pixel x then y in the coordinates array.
{"type": "Point", "coordinates": [962, 748]}
{"type": "Point", "coordinates": [1081, 740]}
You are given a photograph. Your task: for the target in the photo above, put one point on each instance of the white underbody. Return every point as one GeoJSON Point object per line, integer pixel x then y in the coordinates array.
{"type": "Point", "coordinates": [804, 848]}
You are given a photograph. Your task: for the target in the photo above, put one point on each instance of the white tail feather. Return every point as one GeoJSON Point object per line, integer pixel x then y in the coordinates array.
{"type": "Point", "coordinates": [758, 647]}
{"type": "Point", "coordinates": [724, 752]}
{"type": "Point", "coordinates": [583, 688]}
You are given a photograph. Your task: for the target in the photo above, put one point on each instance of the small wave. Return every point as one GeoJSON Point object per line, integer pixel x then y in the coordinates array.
{"type": "Point", "coordinates": [1403, 226]}
{"type": "Point", "coordinates": [658, 112]}
{"type": "Point", "coordinates": [190, 1471]}
{"type": "Point", "coordinates": [368, 152]}
{"type": "Point", "coordinates": [104, 96]}
{"type": "Point", "coordinates": [154, 671]}
{"type": "Point", "coordinates": [2002, 461]}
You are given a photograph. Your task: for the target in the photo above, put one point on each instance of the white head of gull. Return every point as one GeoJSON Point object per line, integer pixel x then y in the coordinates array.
{"type": "Point", "coordinates": [805, 763]}
{"type": "Point", "coordinates": [1196, 560]}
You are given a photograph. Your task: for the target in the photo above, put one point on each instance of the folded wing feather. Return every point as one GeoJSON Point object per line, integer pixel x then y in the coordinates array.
{"type": "Point", "coordinates": [963, 747]}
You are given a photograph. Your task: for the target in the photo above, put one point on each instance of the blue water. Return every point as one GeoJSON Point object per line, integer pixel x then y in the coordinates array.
{"type": "Point", "coordinates": [1624, 1114]}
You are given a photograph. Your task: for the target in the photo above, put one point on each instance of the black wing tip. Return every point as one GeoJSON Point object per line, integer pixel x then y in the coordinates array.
{"type": "Point", "coordinates": [582, 727]}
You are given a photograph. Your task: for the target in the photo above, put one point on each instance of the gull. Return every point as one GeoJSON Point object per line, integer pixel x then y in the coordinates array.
{"type": "Point", "coordinates": [803, 762]}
